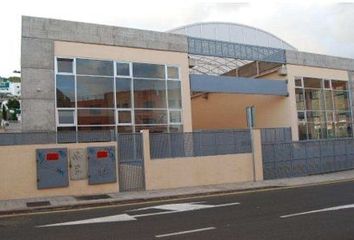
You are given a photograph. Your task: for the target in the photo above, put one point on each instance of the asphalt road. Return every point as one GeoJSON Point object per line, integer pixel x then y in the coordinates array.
{"type": "Point", "coordinates": [272, 214]}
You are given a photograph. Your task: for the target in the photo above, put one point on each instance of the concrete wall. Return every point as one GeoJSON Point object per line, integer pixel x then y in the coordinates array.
{"type": "Point", "coordinates": [198, 171]}
{"type": "Point", "coordinates": [18, 176]}
{"type": "Point", "coordinates": [318, 60]}
{"type": "Point", "coordinates": [37, 59]}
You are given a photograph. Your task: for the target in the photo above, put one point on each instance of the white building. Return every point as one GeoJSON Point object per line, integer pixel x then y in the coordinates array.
{"type": "Point", "coordinates": [10, 88]}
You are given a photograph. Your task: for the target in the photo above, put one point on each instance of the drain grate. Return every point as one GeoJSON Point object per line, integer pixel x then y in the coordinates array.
{"type": "Point", "coordinates": [38, 204]}
{"type": "Point", "coordinates": [93, 197]}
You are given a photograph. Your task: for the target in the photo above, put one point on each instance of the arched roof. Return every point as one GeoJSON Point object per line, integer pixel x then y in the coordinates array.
{"type": "Point", "coordinates": [233, 32]}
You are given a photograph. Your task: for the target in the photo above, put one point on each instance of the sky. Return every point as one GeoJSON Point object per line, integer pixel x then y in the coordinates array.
{"type": "Point", "coordinates": [319, 26]}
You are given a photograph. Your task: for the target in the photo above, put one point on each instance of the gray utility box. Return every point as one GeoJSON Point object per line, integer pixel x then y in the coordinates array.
{"type": "Point", "coordinates": [102, 167]}
{"type": "Point", "coordinates": [52, 168]}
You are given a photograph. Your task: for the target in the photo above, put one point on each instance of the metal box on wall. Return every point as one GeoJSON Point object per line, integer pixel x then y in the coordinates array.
{"type": "Point", "coordinates": [52, 168]}
{"type": "Point", "coordinates": [101, 165]}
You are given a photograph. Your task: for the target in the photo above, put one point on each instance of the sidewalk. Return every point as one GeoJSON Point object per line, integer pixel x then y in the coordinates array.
{"type": "Point", "coordinates": [72, 202]}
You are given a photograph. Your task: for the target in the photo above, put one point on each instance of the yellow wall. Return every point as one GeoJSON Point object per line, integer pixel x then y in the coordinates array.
{"type": "Point", "coordinates": [306, 71]}
{"type": "Point", "coordinates": [18, 174]}
{"type": "Point", "coordinates": [206, 170]}
{"type": "Point", "coordinates": [221, 111]}
{"type": "Point", "coordinates": [69, 49]}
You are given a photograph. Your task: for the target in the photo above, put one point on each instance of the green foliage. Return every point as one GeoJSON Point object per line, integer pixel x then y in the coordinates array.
{"type": "Point", "coordinates": [14, 79]}
{"type": "Point", "coordinates": [4, 112]}
{"type": "Point", "coordinates": [13, 104]}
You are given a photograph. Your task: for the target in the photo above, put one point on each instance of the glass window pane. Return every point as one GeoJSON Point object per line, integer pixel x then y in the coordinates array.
{"type": "Point", "coordinates": [326, 84]}
{"type": "Point", "coordinates": [300, 99]}
{"type": "Point", "coordinates": [149, 93]}
{"type": "Point", "coordinates": [331, 129]}
{"type": "Point", "coordinates": [302, 131]}
{"type": "Point", "coordinates": [343, 117]}
{"type": "Point", "coordinates": [301, 116]}
{"type": "Point", "coordinates": [95, 116]}
{"type": "Point", "coordinates": [313, 99]}
{"type": "Point", "coordinates": [123, 69]}
{"type": "Point", "coordinates": [66, 117]}
{"type": "Point", "coordinates": [148, 70]}
{"type": "Point", "coordinates": [343, 130]}
{"type": "Point", "coordinates": [339, 85]}
{"type": "Point", "coordinates": [341, 100]}
{"type": "Point", "coordinates": [315, 116]}
{"type": "Point", "coordinates": [172, 73]}
{"type": "Point", "coordinates": [94, 67]}
{"type": "Point", "coordinates": [176, 128]}
{"type": "Point", "coordinates": [298, 82]}
{"type": "Point", "coordinates": [152, 129]}
{"type": "Point", "coordinates": [125, 129]}
{"type": "Point", "coordinates": [175, 117]}
{"type": "Point", "coordinates": [65, 91]}
{"type": "Point", "coordinates": [328, 99]}
{"type": "Point", "coordinates": [65, 65]}
{"type": "Point", "coordinates": [174, 94]}
{"type": "Point", "coordinates": [123, 92]}
{"type": "Point", "coordinates": [95, 92]}
{"type": "Point", "coordinates": [312, 82]}
{"type": "Point", "coordinates": [316, 130]}
{"type": "Point", "coordinates": [150, 116]}
{"type": "Point", "coordinates": [124, 117]}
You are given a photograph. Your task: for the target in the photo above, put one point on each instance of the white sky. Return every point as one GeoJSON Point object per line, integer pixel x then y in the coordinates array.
{"type": "Point", "coordinates": [321, 26]}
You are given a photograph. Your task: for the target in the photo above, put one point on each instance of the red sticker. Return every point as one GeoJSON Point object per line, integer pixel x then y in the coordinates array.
{"type": "Point", "coordinates": [52, 156]}
{"type": "Point", "coordinates": [102, 154]}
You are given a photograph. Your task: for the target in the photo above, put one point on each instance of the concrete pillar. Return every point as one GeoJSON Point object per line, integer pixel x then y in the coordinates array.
{"type": "Point", "coordinates": [257, 154]}
{"type": "Point", "coordinates": [147, 158]}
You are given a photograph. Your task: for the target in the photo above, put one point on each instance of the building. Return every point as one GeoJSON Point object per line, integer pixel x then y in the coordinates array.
{"type": "Point", "coordinates": [81, 76]}
{"type": "Point", "coordinates": [10, 88]}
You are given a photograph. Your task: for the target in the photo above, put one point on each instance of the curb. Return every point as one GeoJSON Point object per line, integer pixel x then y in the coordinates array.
{"type": "Point", "coordinates": [113, 202]}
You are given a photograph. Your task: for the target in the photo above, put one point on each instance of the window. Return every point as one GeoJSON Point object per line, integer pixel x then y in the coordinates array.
{"type": "Point", "coordinates": [175, 117]}
{"type": "Point", "coordinates": [95, 92]}
{"type": "Point", "coordinates": [123, 96]}
{"type": "Point", "coordinates": [65, 65]}
{"type": "Point", "coordinates": [94, 67]}
{"type": "Point", "coordinates": [123, 69]}
{"type": "Point", "coordinates": [65, 91]}
{"type": "Point", "coordinates": [172, 72]}
{"type": "Point", "coordinates": [323, 108]}
{"type": "Point", "coordinates": [150, 117]}
{"type": "Point", "coordinates": [144, 70]}
{"type": "Point", "coordinates": [123, 92]}
{"type": "Point", "coordinates": [95, 117]}
{"type": "Point", "coordinates": [149, 93]}
{"type": "Point", "coordinates": [66, 117]}
{"type": "Point", "coordinates": [124, 117]}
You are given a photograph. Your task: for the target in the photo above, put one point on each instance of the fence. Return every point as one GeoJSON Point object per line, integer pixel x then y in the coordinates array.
{"type": "Point", "coordinates": [301, 158]}
{"type": "Point", "coordinates": [206, 143]}
{"type": "Point", "coordinates": [131, 162]}
{"type": "Point", "coordinates": [276, 135]}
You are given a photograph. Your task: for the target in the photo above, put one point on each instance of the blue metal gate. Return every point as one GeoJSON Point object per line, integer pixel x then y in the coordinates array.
{"type": "Point", "coordinates": [131, 162]}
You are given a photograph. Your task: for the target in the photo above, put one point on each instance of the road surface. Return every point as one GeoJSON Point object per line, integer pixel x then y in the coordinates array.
{"type": "Point", "coordinates": [313, 212]}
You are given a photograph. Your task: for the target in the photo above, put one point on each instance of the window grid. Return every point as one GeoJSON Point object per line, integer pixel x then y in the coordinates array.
{"type": "Point", "coordinates": [323, 108]}
{"type": "Point", "coordinates": [117, 110]}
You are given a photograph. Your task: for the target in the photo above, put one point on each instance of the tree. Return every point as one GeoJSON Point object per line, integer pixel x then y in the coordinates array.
{"type": "Point", "coordinates": [13, 104]}
{"type": "Point", "coordinates": [4, 112]}
{"type": "Point", "coordinates": [14, 79]}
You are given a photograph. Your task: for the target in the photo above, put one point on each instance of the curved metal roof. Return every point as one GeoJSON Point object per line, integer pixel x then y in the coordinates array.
{"type": "Point", "coordinates": [233, 32]}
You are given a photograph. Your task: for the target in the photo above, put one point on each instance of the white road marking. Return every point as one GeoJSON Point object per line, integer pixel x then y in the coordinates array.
{"type": "Point", "coordinates": [185, 232]}
{"type": "Point", "coordinates": [319, 210]}
{"type": "Point", "coordinates": [114, 218]}
{"type": "Point", "coordinates": [171, 208]}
